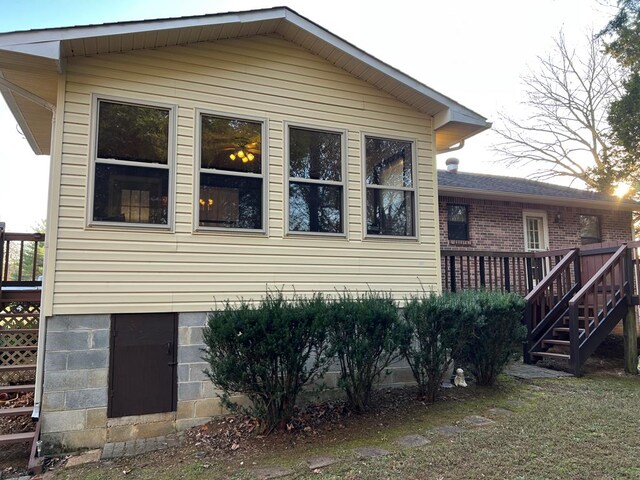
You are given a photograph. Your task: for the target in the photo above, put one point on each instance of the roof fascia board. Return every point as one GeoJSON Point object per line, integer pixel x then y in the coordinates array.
{"type": "Point", "coordinates": [50, 50]}
{"type": "Point", "coordinates": [93, 31]}
{"type": "Point", "coordinates": [350, 49]}
{"type": "Point", "coordinates": [540, 199]}
{"type": "Point", "coordinates": [453, 114]}
{"type": "Point", "coordinates": [29, 40]}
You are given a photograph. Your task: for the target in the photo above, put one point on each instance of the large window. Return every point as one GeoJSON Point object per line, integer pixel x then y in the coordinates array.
{"type": "Point", "coordinates": [390, 187]}
{"type": "Point", "coordinates": [231, 173]}
{"type": "Point", "coordinates": [132, 164]}
{"type": "Point", "coordinates": [590, 229]}
{"type": "Point", "coordinates": [316, 189]}
{"type": "Point", "coordinates": [458, 222]}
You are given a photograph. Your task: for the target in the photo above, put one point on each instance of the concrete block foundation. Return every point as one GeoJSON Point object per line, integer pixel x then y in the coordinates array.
{"type": "Point", "coordinates": [76, 379]}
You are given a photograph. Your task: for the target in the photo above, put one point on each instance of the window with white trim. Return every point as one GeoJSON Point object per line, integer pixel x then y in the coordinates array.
{"type": "Point", "coordinates": [535, 230]}
{"type": "Point", "coordinates": [390, 187]}
{"type": "Point", "coordinates": [132, 168]}
{"type": "Point", "coordinates": [316, 184]}
{"type": "Point", "coordinates": [231, 173]}
{"type": "Point", "coordinates": [590, 229]}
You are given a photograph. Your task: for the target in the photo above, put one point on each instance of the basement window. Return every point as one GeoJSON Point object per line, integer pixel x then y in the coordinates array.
{"type": "Point", "coordinates": [316, 181]}
{"type": "Point", "coordinates": [590, 229]}
{"type": "Point", "coordinates": [231, 181]}
{"type": "Point", "coordinates": [132, 165]}
{"type": "Point", "coordinates": [390, 187]}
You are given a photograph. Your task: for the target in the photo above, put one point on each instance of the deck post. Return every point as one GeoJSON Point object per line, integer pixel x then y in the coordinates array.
{"type": "Point", "coordinates": [629, 325]}
{"type": "Point", "coordinates": [1, 253]}
{"type": "Point", "coordinates": [630, 333]}
{"type": "Point", "coordinates": [530, 284]}
{"type": "Point", "coordinates": [574, 337]}
{"type": "Point", "coordinates": [452, 268]}
{"type": "Point", "coordinates": [507, 275]}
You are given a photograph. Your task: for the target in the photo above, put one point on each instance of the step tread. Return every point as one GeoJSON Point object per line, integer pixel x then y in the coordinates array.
{"type": "Point", "coordinates": [16, 438]}
{"type": "Point", "coordinates": [17, 368]}
{"type": "Point", "coordinates": [557, 342]}
{"type": "Point", "coordinates": [17, 388]}
{"type": "Point", "coordinates": [10, 331]}
{"type": "Point", "coordinates": [14, 412]}
{"type": "Point", "coordinates": [566, 329]}
{"type": "Point", "coordinates": [549, 354]}
{"type": "Point", "coordinates": [23, 348]}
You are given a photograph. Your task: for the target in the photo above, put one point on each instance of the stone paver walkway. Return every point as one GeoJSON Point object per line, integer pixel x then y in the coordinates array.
{"type": "Point", "coordinates": [139, 446]}
{"type": "Point", "coordinates": [272, 472]}
{"type": "Point", "coordinates": [478, 421]}
{"type": "Point", "coordinates": [528, 372]}
{"type": "Point", "coordinates": [315, 463]}
{"type": "Point", "coordinates": [412, 441]}
{"type": "Point", "coordinates": [366, 453]}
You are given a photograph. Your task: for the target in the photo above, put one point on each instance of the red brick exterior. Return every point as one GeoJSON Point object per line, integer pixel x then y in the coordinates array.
{"type": "Point", "coordinates": [498, 225]}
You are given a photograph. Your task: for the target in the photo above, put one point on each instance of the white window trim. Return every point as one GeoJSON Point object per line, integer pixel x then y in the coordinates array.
{"type": "Point", "coordinates": [93, 160]}
{"type": "Point", "coordinates": [264, 175]}
{"type": "Point", "coordinates": [414, 189]}
{"type": "Point", "coordinates": [545, 228]}
{"type": "Point", "coordinates": [343, 173]}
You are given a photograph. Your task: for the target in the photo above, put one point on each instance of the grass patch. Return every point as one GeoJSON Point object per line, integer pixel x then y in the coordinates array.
{"type": "Point", "coordinates": [561, 428]}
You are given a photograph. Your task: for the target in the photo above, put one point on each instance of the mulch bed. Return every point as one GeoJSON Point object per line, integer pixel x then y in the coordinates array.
{"type": "Point", "coordinates": [315, 423]}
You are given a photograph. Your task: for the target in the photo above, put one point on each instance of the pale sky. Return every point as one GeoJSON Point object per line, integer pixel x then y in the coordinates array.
{"type": "Point", "coordinates": [472, 51]}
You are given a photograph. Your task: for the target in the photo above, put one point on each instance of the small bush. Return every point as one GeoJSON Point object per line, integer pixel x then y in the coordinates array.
{"type": "Point", "coordinates": [433, 321]}
{"type": "Point", "coordinates": [488, 339]}
{"type": "Point", "coordinates": [267, 352]}
{"type": "Point", "coordinates": [365, 335]}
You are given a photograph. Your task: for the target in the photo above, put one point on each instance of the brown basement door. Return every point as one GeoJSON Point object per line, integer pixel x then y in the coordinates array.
{"type": "Point", "coordinates": [143, 363]}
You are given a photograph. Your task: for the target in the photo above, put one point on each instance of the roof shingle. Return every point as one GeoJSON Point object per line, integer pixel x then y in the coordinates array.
{"type": "Point", "coordinates": [494, 183]}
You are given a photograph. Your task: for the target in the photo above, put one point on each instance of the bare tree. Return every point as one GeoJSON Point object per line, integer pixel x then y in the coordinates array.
{"type": "Point", "coordinates": [565, 133]}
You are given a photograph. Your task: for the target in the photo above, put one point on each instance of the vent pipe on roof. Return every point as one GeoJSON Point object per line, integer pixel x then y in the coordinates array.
{"type": "Point", "coordinates": [452, 165]}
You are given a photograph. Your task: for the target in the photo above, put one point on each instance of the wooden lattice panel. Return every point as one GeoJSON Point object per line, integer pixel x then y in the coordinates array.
{"type": "Point", "coordinates": [19, 315]}
{"type": "Point", "coordinates": [18, 340]}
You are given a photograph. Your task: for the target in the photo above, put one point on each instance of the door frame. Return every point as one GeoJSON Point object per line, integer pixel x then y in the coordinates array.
{"type": "Point", "coordinates": [545, 229]}
{"type": "Point", "coordinates": [174, 379]}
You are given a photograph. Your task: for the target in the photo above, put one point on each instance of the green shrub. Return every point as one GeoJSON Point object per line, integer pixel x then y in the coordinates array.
{"type": "Point", "coordinates": [365, 335]}
{"type": "Point", "coordinates": [488, 339]}
{"type": "Point", "coordinates": [267, 352]}
{"type": "Point", "coordinates": [433, 321]}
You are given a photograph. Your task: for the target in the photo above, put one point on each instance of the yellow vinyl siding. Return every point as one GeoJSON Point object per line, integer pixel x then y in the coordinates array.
{"type": "Point", "coordinates": [128, 269]}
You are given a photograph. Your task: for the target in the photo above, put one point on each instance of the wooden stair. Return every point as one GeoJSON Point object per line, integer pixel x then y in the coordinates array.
{"type": "Point", "coordinates": [564, 356]}
{"type": "Point", "coordinates": [31, 437]}
{"type": "Point", "coordinates": [18, 368]}
{"type": "Point", "coordinates": [17, 388]}
{"type": "Point", "coordinates": [12, 438]}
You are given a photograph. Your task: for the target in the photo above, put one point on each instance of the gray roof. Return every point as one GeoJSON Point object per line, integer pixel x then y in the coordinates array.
{"type": "Point", "coordinates": [460, 183]}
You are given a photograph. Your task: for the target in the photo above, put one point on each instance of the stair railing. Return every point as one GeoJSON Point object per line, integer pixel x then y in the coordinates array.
{"type": "Point", "coordinates": [549, 298]}
{"type": "Point", "coordinates": [603, 293]}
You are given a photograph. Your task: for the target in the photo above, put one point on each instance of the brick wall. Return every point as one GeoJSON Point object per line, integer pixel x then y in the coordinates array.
{"type": "Point", "coordinates": [498, 226]}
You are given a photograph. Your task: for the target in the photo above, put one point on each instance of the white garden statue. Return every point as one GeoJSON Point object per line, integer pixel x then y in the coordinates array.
{"type": "Point", "coordinates": [459, 381]}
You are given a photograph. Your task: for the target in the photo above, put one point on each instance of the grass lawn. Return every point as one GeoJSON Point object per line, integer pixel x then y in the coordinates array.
{"type": "Point", "coordinates": [586, 428]}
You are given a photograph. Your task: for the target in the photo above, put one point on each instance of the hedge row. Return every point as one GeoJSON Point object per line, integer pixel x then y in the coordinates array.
{"type": "Point", "coordinates": [271, 350]}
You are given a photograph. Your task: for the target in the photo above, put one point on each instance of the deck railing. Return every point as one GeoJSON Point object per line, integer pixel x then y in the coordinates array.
{"type": "Point", "coordinates": [21, 259]}
{"type": "Point", "coordinates": [608, 290]}
{"type": "Point", "coordinates": [517, 272]}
